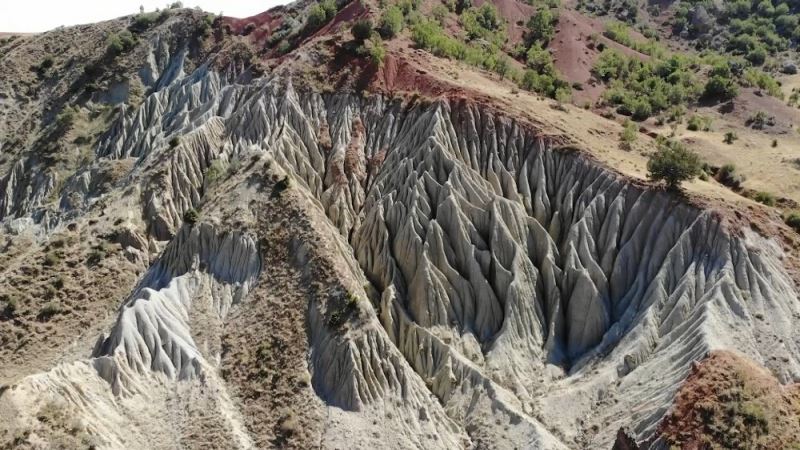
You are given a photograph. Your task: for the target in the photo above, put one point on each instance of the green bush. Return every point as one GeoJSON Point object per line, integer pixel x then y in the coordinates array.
{"type": "Point", "coordinates": [720, 88]}
{"type": "Point", "coordinates": [440, 12]}
{"type": "Point", "coordinates": [377, 51]}
{"type": "Point", "coordinates": [484, 23]}
{"type": "Point", "coordinates": [362, 30]}
{"type": "Point", "coordinates": [541, 27]}
{"type": "Point", "coordinates": [121, 42]}
{"type": "Point", "coordinates": [66, 117]}
{"type": "Point", "coordinates": [729, 137]}
{"type": "Point", "coordinates": [673, 163]}
{"type": "Point", "coordinates": [539, 59]}
{"type": "Point", "coordinates": [729, 176]}
{"type": "Point", "coordinates": [144, 21]}
{"type": "Point", "coordinates": [316, 17]}
{"type": "Point", "coordinates": [282, 185]}
{"type": "Point", "coordinates": [629, 133]}
{"type": "Point", "coordinates": [48, 311]}
{"type": "Point", "coordinates": [699, 123]}
{"type": "Point", "coordinates": [191, 216]}
{"type": "Point", "coordinates": [11, 306]}
{"type": "Point", "coordinates": [391, 22]}
{"type": "Point", "coordinates": [174, 142]}
{"type": "Point", "coordinates": [793, 220]}
{"type": "Point", "coordinates": [765, 198]}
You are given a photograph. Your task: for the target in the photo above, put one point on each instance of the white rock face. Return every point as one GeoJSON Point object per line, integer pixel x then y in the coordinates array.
{"type": "Point", "coordinates": [541, 299]}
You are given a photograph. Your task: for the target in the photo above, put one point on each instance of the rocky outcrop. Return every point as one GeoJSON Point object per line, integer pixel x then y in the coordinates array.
{"type": "Point", "coordinates": [153, 328]}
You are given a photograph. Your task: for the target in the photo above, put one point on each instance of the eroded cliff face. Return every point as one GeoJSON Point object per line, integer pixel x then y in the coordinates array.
{"type": "Point", "coordinates": [464, 280]}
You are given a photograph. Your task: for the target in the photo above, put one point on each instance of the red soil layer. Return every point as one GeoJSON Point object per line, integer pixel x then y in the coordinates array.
{"type": "Point", "coordinates": [264, 23]}
{"type": "Point", "coordinates": [728, 400]}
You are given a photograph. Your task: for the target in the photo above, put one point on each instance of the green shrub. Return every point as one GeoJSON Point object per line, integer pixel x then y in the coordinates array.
{"type": "Point", "coordinates": [377, 51]}
{"type": "Point", "coordinates": [484, 23]}
{"type": "Point", "coordinates": [144, 21]}
{"type": "Point", "coordinates": [66, 117]}
{"type": "Point", "coordinates": [720, 88]}
{"type": "Point", "coordinates": [698, 123]}
{"type": "Point", "coordinates": [440, 12]}
{"type": "Point", "coordinates": [673, 163]}
{"type": "Point", "coordinates": [191, 216]}
{"type": "Point", "coordinates": [11, 306]}
{"type": "Point", "coordinates": [541, 27]}
{"type": "Point", "coordinates": [174, 142]}
{"type": "Point", "coordinates": [729, 176]}
{"type": "Point", "coordinates": [729, 137]}
{"type": "Point", "coordinates": [629, 133]}
{"type": "Point", "coordinates": [51, 259]}
{"type": "Point", "coordinates": [759, 120]}
{"type": "Point", "coordinates": [765, 198]}
{"type": "Point", "coordinates": [279, 187]}
{"type": "Point", "coordinates": [121, 42]}
{"type": "Point", "coordinates": [362, 30]}
{"type": "Point", "coordinates": [391, 22]}
{"type": "Point", "coordinates": [539, 59]}
{"type": "Point", "coordinates": [48, 311]}
{"type": "Point", "coordinates": [793, 220]}
{"type": "Point", "coordinates": [316, 17]}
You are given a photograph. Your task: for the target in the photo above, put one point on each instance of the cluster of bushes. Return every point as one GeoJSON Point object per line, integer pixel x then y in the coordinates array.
{"type": "Point", "coordinates": [319, 14]}
{"type": "Point", "coordinates": [368, 42]}
{"type": "Point", "coordinates": [121, 42]}
{"type": "Point", "coordinates": [484, 23]}
{"type": "Point", "coordinates": [619, 32]}
{"type": "Point", "coordinates": [429, 35]}
{"type": "Point", "coordinates": [643, 88]}
{"type": "Point", "coordinates": [750, 28]}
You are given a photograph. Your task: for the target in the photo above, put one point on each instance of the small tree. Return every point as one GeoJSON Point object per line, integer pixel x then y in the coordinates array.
{"type": "Point", "coordinates": [673, 163]}
{"type": "Point", "coordinates": [362, 30]}
{"type": "Point", "coordinates": [729, 137]}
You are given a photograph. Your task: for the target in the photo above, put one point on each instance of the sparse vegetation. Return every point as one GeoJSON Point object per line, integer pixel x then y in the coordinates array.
{"type": "Point", "coordinates": [174, 142]}
{"type": "Point", "coordinates": [673, 163]}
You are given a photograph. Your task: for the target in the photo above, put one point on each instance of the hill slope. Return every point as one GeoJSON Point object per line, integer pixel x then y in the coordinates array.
{"type": "Point", "coordinates": [273, 232]}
